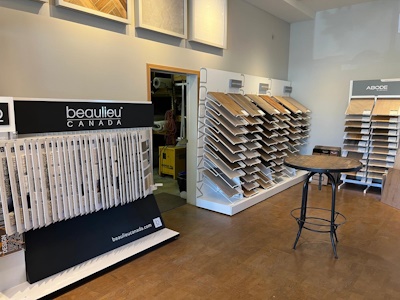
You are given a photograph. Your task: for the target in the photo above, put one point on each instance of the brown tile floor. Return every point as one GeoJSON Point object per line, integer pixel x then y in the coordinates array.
{"type": "Point", "coordinates": [250, 255]}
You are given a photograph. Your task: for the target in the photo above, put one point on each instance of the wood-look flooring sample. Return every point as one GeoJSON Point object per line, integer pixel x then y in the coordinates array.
{"type": "Point", "coordinates": [276, 105]}
{"type": "Point", "coordinates": [221, 121]}
{"type": "Point", "coordinates": [222, 148]}
{"type": "Point", "coordinates": [360, 107]}
{"type": "Point", "coordinates": [287, 104]}
{"type": "Point", "coordinates": [297, 104]}
{"type": "Point", "coordinates": [247, 105]}
{"type": "Point", "coordinates": [221, 139]}
{"type": "Point", "coordinates": [389, 107]}
{"type": "Point", "coordinates": [224, 187]}
{"type": "Point", "coordinates": [221, 111]}
{"type": "Point", "coordinates": [228, 103]}
{"type": "Point", "coordinates": [264, 105]}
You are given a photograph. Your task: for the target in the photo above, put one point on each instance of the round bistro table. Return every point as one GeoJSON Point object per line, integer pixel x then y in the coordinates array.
{"type": "Point", "coordinates": [320, 164]}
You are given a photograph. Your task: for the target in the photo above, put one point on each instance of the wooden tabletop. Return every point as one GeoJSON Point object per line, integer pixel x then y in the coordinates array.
{"type": "Point", "coordinates": [323, 163]}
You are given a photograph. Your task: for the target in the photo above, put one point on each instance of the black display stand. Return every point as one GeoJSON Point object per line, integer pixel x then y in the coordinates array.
{"type": "Point", "coordinates": [65, 244]}
{"type": "Point", "coordinates": [68, 251]}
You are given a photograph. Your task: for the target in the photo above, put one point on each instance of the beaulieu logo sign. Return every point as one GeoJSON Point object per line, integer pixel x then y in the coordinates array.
{"type": "Point", "coordinates": [93, 117]}
{"type": "Point", "coordinates": [59, 116]}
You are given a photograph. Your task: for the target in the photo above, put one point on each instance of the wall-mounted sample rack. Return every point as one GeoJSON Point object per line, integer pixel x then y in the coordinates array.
{"type": "Point", "coordinates": [76, 183]}
{"type": "Point", "coordinates": [372, 130]}
{"type": "Point", "coordinates": [243, 140]}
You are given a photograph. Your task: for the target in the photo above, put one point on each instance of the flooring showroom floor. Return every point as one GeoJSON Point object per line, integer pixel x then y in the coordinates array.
{"type": "Point", "coordinates": [250, 255]}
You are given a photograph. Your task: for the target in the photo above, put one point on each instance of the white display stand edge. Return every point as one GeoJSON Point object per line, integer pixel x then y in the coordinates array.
{"type": "Point", "coordinates": [63, 279]}
{"type": "Point", "coordinates": [213, 200]}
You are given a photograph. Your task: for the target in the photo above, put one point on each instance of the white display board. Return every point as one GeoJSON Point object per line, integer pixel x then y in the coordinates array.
{"type": "Point", "coordinates": [208, 22]}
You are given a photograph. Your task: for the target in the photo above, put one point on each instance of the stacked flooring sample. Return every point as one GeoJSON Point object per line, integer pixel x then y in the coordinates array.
{"type": "Point", "coordinates": [372, 130]}
{"type": "Point", "coordinates": [246, 139]}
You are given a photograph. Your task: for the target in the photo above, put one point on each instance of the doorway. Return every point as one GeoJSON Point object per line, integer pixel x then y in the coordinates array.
{"type": "Point", "coordinates": [174, 94]}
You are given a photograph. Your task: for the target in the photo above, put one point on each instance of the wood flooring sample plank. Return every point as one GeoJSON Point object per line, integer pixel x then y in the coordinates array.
{"type": "Point", "coordinates": [228, 103]}
{"type": "Point", "coordinates": [247, 105]}
{"type": "Point", "coordinates": [276, 105]}
{"type": "Point", "coordinates": [293, 108]}
{"type": "Point", "coordinates": [220, 110]}
{"type": "Point", "coordinates": [389, 107]}
{"type": "Point", "coordinates": [297, 104]}
{"type": "Point", "coordinates": [360, 107]}
{"type": "Point", "coordinates": [263, 104]}
{"type": "Point", "coordinates": [223, 186]}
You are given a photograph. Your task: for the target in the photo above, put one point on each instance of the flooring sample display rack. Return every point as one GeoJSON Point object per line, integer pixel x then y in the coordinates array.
{"type": "Point", "coordinates": [243, 139]}
{"type": "Point", "coordinates": [372, 130]}
{"type": "Point", "coordinates": [75, 186]}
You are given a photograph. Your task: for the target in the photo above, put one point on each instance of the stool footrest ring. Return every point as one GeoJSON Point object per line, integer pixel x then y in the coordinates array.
{"type": "Point", "coordinates": [318, 222]}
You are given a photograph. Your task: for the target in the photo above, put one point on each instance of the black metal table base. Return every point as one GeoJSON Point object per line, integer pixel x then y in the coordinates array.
{"type": "Point", "coordinates": [303, 220]}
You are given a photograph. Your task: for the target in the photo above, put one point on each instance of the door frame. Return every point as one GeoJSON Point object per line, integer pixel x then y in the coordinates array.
{"type": "Point", "coordinates": [192, 100]}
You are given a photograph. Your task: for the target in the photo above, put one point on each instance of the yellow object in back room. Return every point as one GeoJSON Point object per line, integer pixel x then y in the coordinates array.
{"type": "Point", "coordinates": [172, 160]}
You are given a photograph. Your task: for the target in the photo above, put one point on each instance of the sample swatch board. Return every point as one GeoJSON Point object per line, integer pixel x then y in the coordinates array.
{"type": "Point", "coordinates": [44, 180]}
{"type": "Point", "coordinates": [246, 140]}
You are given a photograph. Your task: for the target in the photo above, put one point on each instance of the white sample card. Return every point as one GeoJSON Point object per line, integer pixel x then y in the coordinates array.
{"type": "Point", "coordinates": [107, 152]}
{"type": "Point", "coordinates": [5, 193]}
{"type": "Point", "coordinates": [31, 185]}
{"type": "Point", "coordinates": [136, 175]}
{"type": "Point", "coordinates": [114, 169]}
{"type": "Point", "coordinates": [23, 183]}
{"type": "Point", "coordinates": [57, 180]}
{"type": "Point", "coordinates": [67, 174]}
{"type": "Point", "coordinates": [64, 184]}
{"type": "Point", "coordinates": [132, 171]}
{"type": "Point", "coordinates": [103, 193]}
{"type": "Point", "coordinates": [73, 177]}
{"type": "Point", "coordinates": [123, 168]}
{"type": "Point", "coordinates": [83, 169]}
{"type": "Point", "coordinates": [88, 164]}
{"type": "Point", "coordinates": [95, 172]}
{"type": "Point", "coordinates": [15, 189]}
{"type": "Point", "coordinates": [52, 186]}
{"type": "Point", "coordinates": [125, 151]}
{"type": "Point", "coordinates": [78, 173]}
{"type": "Point", "coordinates": [44, 181]}
{"type": "Point", "coordinates": [37, 183]}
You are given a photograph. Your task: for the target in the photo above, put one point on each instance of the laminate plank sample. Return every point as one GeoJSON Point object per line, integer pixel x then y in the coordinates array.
{"type": "Point", "coordinates": [228, 103]}
{"type": "Point", "coordinates": [247, 105]}
{"type": "Point", "coordinates": [253, 120]}
{"type": "Point", "coordinates": [389, 107]}
{"type": "Point", "coordinates": [360, 107]}
{"type": "Point", "coordinates": [220, 138]}
{"type": "Point", "coordinates": [227, 134]}
{"type": "Point", "coordinates": [223, 186]}
{"type": "Point", "coordinates": [287, 104]}
{"type": "Point", "coordinates": [297, 104]}
{"type": "Point", "coordinates": [264, 105]}
{"type": "Point", "coordinates": [221, 121]}
{"type": "Point", "coordinates": [276, 105]}
{"type": "Point", "coordinates": [220, 110]}
{"type": "Point", "coordinates": [223, 149]}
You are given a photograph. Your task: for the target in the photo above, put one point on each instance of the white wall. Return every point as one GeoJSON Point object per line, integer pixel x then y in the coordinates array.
{"type": "Point", "coordinates": [49, 51]}
{"type": "Point", "coordinates": [351, 43]}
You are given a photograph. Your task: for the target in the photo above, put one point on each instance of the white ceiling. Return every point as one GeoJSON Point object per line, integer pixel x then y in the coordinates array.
{"type": "Point", "coordinates": [300, 10]}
